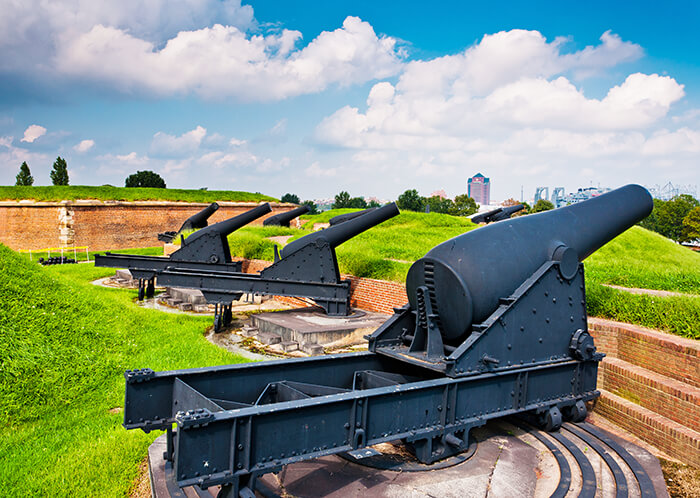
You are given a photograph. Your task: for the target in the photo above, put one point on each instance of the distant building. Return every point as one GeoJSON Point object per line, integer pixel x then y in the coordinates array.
{"type": "Point", "coordinates": [479, 189]}
{"type": "Point", "coordinates": [439, 193]}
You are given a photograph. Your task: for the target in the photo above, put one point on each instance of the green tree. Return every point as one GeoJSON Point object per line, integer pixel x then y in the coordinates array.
{"type": "Point", "coordinates": [411, 201]}
{"type": "Point", "coordinates": [357, 203]}
{"type": "Point", "coordinates": [438, 204]}
{"type": "Point", "coordinates": [691, 224]}
{"type": "Point", "coordinates": [542, 205]}
{"type": "Point", "coordinates": [59, 173]}
{"type": "Point", "coordinates": [292, 198]}
{"type": "Point", "coordinates": [342, 200]}
{"type": "Point", "coordinates": [313, 208]}
{"type": "Point", "coordinates": [24, 178]}
{"type": "Point", "coordinates": [464, 206]}
{"type": "Point", "coordinates": [147, 179]}
{"type": "Point", "coordinates": [373, 204]}
{"type": "Point", "coordinates": [671, 214]}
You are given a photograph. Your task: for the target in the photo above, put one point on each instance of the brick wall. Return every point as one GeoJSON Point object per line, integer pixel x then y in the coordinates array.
{"type": "Point", "coordinates": [365, 293]}
{"type": "Point", "coordinates": [666, 354]}
{"type": "Point", "coordinates": [104, 225]}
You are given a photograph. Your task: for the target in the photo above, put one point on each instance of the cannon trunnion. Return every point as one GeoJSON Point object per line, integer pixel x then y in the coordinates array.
{"type": "Point", "coordinates": [473, 343]}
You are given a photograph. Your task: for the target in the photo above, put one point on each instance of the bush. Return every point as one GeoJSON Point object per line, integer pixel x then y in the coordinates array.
{"type": "Point", "coordinates": [147, 179]}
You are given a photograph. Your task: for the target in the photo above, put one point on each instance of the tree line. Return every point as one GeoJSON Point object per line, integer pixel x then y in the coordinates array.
{"type": "Point", "coordinates": [677, 219]}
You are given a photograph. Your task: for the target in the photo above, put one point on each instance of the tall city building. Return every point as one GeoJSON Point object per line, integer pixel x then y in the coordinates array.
{"type": "Point", "coordinates": [479, 189]}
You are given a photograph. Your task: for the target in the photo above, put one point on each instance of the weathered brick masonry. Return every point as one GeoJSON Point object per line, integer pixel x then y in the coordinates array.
{"type": "Point", "coordinates": [104, 225]}
{"type": "Point", "coordinates": [650, 385]}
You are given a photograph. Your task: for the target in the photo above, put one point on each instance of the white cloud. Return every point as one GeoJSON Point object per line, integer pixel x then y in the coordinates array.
{"type": "Point", "coordinates": [84, 146]}
{"type": "Point", "coordinates": [222, 61]}
{"type": "Point", "coordinates": [166, 145]}
{"type": "Point", "coordinates": [511, 106]}
{"type": "Point", "coordinates": [236, 142]}
{"type": "Point", "coordinates": [32, 30]}
{"type": "Point", "coordinates": [32, 133]}
{"type": "Point", "coordinates": [315, 170]}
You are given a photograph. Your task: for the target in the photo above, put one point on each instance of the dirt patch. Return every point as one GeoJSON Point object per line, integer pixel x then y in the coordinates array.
{"type": "Point", "coordinates": [280, 239]}
{"type": "Point", "coordinates": [141, 488]}
{"type": "Point", "coordinates": [682, 480]}
{"type": "Point", "coordinates": [650, 292]}
{"type": "Point", "coordinates": [116, 409]}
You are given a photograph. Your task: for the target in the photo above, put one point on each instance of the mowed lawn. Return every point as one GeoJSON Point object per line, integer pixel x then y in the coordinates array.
{"type": "Point", "coordinates": [64, 346]}
{"type": "Point", "coordinates": [637, 258]}
{"type": "Point", "coordinates": [108, 192]}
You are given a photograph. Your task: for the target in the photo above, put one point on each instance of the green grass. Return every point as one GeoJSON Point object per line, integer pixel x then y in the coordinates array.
{"type": "Point", "coordinates": [677, 315]}
{"type": "Point", "coordinates": [146, 251]}
{"type": "Point", "coordinates": [644, 259]}
{"type": "Point", "coordinates": [637, 258]}
{"type": "Point", "coordinates": [385, 251]}
{"type": "Point", "coordinates": [64, 345]}
{"type": "Point", "coordinates": [74, 192]}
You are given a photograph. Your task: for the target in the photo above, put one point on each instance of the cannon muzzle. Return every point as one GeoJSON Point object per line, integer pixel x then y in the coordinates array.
{"type": "Point", "coordinates": [283, 219]}
{"type": "Point", "coordinates": [199, 220]}
{"type": "Point", "coordinates": [342, 218]}
{"type": "Point", "coordinates": [227, 226]}
{"type": "Point", "coordinates": [467, 275]}
{"type": "Point", "coordinates": [338, 234]}
{"type": "Point", "coordinates": [499, 214]}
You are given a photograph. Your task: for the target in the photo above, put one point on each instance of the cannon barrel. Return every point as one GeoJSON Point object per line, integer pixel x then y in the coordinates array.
{"type": "Point", "coordinates": [341, 218]}
{"type": "Point", "coordinates": [338, 234]}
{"type": "Point", "coordinates": [283, 219]}
{"type": "Point", "coordinates": [468, 274]}
{"type": "Point", "coordinates": [227, 226]}
{"type": "Point", "coordinates": [501, 213]}
{"type": "Point", "coordinates": [199, 220]}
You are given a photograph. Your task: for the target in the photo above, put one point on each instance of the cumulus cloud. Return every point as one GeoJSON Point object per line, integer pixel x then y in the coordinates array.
{"type": "Point", "coordinates": [513, 106]}
{"type": "Point", "coordinates": [32, 133]}
{"type": "Point", "coordinates": [34, 30]}
{"type": "Point", "coordinates": [223, 61]}
{"type": "Point", "coordinates": [166, 145]}
{"type": "Point", "coordinates": [84, 146]}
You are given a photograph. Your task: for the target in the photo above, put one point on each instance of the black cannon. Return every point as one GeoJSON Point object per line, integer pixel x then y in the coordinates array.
{"type": "Point", "coordinates": [283, 219]}
{"type": "Point", "coordinates": [498, 214]}
{"type": "Point", "coordinates": [205, 249]}
{"type": "Point", "coordinates": [197, 220]}
{"type": "Point", "coordinates": [496, 325]}
{"type": "Point", "coordinates": [341, 218]}
{"type": "Point", "coordinates": [306, 267]}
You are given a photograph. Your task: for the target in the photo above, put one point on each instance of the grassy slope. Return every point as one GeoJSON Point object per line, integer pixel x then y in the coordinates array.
{"type": "Point", "coordinates": [637, 258]}
{"type": "Point", "coordinates": [64, 345]}
{"type": "Point", "coordinates": [73, 192]}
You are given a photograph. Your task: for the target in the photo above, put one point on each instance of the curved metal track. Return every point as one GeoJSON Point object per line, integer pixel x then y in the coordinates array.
{"type": "Point", "coordinates": [578, 469]}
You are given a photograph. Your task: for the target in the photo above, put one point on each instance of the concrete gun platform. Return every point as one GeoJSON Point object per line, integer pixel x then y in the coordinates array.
{"type": "Point", "coordinates": [307, 326]}
{"type": "Point", "coordinates": [511, 458]}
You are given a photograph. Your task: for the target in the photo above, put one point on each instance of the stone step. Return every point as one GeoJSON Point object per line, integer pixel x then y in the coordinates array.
{"type": "Point", "coordinates": [312, 349]}
{"type": "Point", "coordinates": [666, 354]}
{"type": "Point", "coordinates": [669, 436]}
{"type": "Point", "coordinates": [268, 338]}
{"type": "Point", "coordinates": [668, 397]}
{"type": "Point", "coordinates": [249, 331]}
{"type": "Point", "coordinates": [288, 346]}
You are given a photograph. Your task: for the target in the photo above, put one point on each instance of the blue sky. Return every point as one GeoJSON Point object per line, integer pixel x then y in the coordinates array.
{"type": "Point", "coordinates": [369, 97]}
